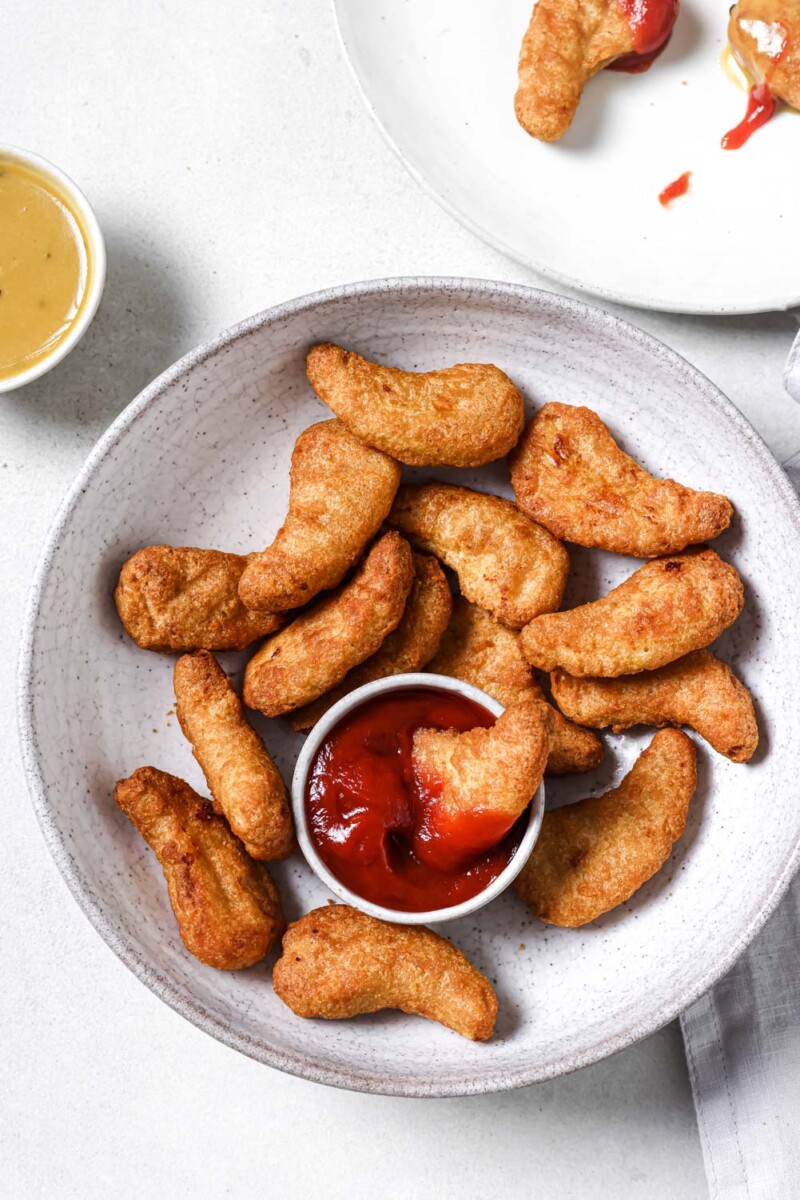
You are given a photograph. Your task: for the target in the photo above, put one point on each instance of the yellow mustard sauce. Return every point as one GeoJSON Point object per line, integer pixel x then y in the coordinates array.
{"type": "Point", "coordinates": [44, 266]}
{"type": "Point", "coordinates": [734, 69]}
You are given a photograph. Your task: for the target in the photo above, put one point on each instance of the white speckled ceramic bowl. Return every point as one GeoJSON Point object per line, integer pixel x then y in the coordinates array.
{"type": "Point", "coordinates": [305, 762]}
{"type": "Point", "coordinates": [200, 458]}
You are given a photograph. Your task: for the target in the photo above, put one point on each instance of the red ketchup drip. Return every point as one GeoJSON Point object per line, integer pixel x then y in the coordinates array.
{"type": "Point", "coordinates": [760, 107]}
{"type": "Point", "coordinates": [370, 816]}
{"type": "Point", "coordinates": [448, 841]}
{"type": "Point", "coordinates": [678, 187]}
{"type": "Point", "coordinates": [651, 23]}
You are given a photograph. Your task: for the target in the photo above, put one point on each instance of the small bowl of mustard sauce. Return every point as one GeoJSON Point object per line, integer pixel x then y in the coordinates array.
{"type": "Point", "coordinates": [52, 266]}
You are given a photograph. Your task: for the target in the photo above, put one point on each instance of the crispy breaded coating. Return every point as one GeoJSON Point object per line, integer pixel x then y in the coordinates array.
{"type": "Point", "coordinates": [340, 492]}
{"type": "Point", "coordinates": [462, 416]}
{"type": "Point", "coordinates": [481, 651]}
{"type": "Point", "coordinates": [178, 598]}
{"type": "Point", "coordinates": [479, 781]}
{"type": "Point", "coordinates": [765, 36]}
{"type": "Point", "coordinates": [315, 652]}
{"type": "Point", "coordinates": [593, 855]}
{"type": "Point", "coordinates": [664, 610]}
{"type": "Point", "coordinates": [478, 649]}
{"type": "Point", "coordinates": [697, 690]}
{"type": "Point", "coordinates": [408, 648]}
{"type": "Point", "coordinates": [571, 751]}
{"type": "Point", "coordinates": [247, 787]}
{"type": "Point", "coordinates": [570, 475]}
{"type": "Point", "coordinates": [228, 909]}
{"type": "Point", "coordinates": [566, 43]}
{"type": "Point", "coordinates": [338, 962]}
{"type": "Point", "coordinates": [505, 562]}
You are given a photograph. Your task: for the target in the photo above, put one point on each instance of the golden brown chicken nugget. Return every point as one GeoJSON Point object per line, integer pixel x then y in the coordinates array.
{"type": "Point", "coordinates": [338, 962]}
{"type": "Point", "coordinates": [571, 752]}
{"type": "Point", "coordinates": [505, 562]}
{"type": "Point", "coordinates": [570, 475]}
{"type": "Point", "coordinates": [463, 416]}
{"type": "Point", "coordinates": [247, 787]}
{"type": "Point", "coordinates": [478, 649]}
{"type": "Point", "coordinates": [340, 493]}
{"type": "Point", "coordinates": [478, 782]}
{"type": "Point", "coordinates": [593, 855]}
{"type": "Point", "coordinates": [315, 652]}
{"type": "Point", "coordinates": [697, 690]}
{"type": "Point", "coordinates": [408, 648]}
{"type": "Point", "coordinates": [664, 610]}
{"type": "Point", "coordinates": [228, 909]}
{"type": "Point", "coordinates": [765, 36]}
{"type": "Point", "coordinates": [566, 43]}
{"type": "Point", "coordinates": [178, 598]}
{"type": "Point", "coordinates": [481, 651]}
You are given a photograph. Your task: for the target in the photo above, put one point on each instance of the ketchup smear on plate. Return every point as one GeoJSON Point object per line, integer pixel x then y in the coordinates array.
{"type": "Point", "coordinates": [651, 23]}
{"type": "Point", "coordinates": [370, 815]}
{"type": "Point", "coordinates": [679, 187]}
{"type": "Point", "coordinates": [760, 108]}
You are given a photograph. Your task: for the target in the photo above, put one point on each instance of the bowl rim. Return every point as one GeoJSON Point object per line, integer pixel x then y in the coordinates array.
{"type": "Point", "coordinates": [95, 250]}
{"type": "Point", "coordinates": [662, 1011]}
{"type": "Point", "coordinates": [353, 700]}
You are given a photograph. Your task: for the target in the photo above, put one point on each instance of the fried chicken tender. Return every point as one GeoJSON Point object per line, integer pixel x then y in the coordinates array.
{"type": "Point", "coordinates": [479, 782]}
{"type": "Point", "coordinates": [571, 751]}
{"type": "Point", "coordinates": [505, 562]}
{"type": "Point", "coordinates": [481, 651]}
{"type": "Point", "coordinates": [570, 475]}
{"type": "Point", "coordinates": [408, 648]}
{"type": "Point", "coordinates": [315, 652]}
{"type": "Point", "coordinates": [593, 855]}
{"type": "Point", "coordinates": [247, 787]}
{"type": "Point", "coordinates": [178, 598]}
{"type": "Point", "coordinates": [463, 416]}
{"type": "Point", "coordinates": [228, 909]}
{"type": "Point", "coordinates": [698, 691]}
{"type": "Point", "coordinates": [340, 493]}
{"type": "Point", "coordinates": [478, 649]}
{"type": "Point", "coordinates": [765, 36]}
{"type": "Point", "coordinates": [338, 962]}
{"type": "Point", "coordinates": [664, 610]}
{"type": "Point", "coordinates": [566, 43]}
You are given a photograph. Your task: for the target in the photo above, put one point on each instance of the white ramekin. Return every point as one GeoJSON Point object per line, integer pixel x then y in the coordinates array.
{"type": "Point", "coordinates": [308, 753]}
{"type": "Point", "coordinates": [95, 253]}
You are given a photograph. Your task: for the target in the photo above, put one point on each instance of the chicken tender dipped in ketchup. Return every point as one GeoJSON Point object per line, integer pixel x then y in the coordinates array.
{"type": "Point", "coordinates": [417, 800]}
{"type": "Point", "coordinates": [569, 41]}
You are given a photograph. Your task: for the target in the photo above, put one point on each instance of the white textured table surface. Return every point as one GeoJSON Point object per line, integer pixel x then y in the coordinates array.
{"type": "Point", "coordinates": [232, 165]}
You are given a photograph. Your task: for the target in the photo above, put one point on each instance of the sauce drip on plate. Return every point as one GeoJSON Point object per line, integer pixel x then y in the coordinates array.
{"type": "Point", "coordinates": [370, 816]}
{"type": "Point", "coordinates": [679, 187]}
{"type": "Point", "coordinates": [760, 108]}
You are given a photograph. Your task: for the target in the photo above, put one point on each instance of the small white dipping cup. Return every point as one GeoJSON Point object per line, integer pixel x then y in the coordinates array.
{"type": "Point", "coordinates": [95, 253]}
{"type": "Point", "coordinates": [317, 736]}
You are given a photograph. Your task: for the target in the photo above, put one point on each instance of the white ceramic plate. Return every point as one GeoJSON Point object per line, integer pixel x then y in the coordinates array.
{"type": "Point", "coordinates": [200, 458]}
{"type": "Point", "coordinates": [439, 77]}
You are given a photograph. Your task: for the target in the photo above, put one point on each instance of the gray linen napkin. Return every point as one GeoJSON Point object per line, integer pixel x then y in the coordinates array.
{"type": "Point", "coordinates": [743, 1048]}
{"type": "Point", "coordinates": [791, 379]}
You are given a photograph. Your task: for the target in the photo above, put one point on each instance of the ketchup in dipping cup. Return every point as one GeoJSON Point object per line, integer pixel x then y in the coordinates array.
{"type": "Point", "coordinates": [368, 811]}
